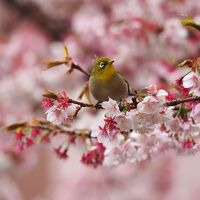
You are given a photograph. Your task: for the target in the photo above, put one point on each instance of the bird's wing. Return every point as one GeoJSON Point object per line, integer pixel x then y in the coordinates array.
{"type": "Point", "coordinates": [129, 91]}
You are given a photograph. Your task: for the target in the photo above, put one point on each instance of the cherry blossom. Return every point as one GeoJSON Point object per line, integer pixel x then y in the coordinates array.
{"type": "Point", "coordinates": [111, 107]}
{"type": "Point", "coordinates": [195, 113]}
{"type": "Point", "coordinates": [121, 154]}
{"type": "Point", "coordinates": [55, 115]}
{"type": "Point", "coordinates": [47, 103]}
{"type": "Point", "coordinates": [62, 151]}
{"type": "Point", "coordinates": [149, 105]}
{"type": "Point", "coordinates": [63, 101]}
{"type": "Point", "coordinates": [108, 132]}
{"type": "Point", "coordinates": [161, 96]}
{"type": "Point", "coordinates": [124, 121]}
{"type": "Point", "coordinates": [192, 81]}
{"type": "Point", "coordinates": [152, 89]}
{"type": "Point", "coordinates": [95, 155]}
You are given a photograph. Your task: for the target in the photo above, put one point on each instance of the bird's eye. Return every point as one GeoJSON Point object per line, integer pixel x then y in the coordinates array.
{"type": "Point", "coordinates": [102, 64]}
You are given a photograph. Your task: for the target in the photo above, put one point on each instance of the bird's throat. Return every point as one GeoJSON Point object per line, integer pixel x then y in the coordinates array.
{"type": "Point", "coordinates": [107, 74]}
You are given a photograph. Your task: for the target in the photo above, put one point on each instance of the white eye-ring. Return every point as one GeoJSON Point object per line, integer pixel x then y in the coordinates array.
{"type": "Point", "coordinates": [102, 64]}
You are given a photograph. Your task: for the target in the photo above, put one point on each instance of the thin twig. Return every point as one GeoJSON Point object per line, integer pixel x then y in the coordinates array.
{"type": "Point", "coordinates": [55, 96]}
{"type": "Point", "coordinates": [79, 68]}
{"type": "Point", "coordinates": [97, 106]}
{"type": "Point", "coordinates": [179, 101]}
{"type": "Point", "coordinates": [134, 103]}
{"type": "Point", "coordinates": [171, 103]}
{"type": "Point", "coordinates": [61, 129]}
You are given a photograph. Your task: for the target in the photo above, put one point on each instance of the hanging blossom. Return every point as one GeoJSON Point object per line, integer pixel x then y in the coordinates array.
{"type": "Point", "coordinates": [62, 151]}
{"type": "Point", "coordinates": [95, 155]}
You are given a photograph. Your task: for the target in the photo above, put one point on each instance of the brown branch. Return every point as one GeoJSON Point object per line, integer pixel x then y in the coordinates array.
{"type": "Point", "coordinates": [54, 129]}
{"type": "Point", "coordinates": [62, 129]}
{"type": "Point", "coordinates": [79, 68]}
{"type": "Point", "coordinates": [54, 63]}
{"type": "Point", "coordinates": [97, 106]}
{"type": "Point", "coordinates": [47, 126]}
{"type": "Point", "coordinates": [179, 101]}
{"type": "Point", "coordinates": [134, 104]}
{"type": "Point", "coordinates": [55, 96]}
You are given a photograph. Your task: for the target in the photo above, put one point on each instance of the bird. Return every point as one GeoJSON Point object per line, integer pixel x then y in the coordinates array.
{"type": "Point", "coordinates": [106, 82]}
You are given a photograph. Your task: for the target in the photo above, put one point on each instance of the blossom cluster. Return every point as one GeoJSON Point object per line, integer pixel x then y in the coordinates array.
{"type": "Point", "coordinates": [133, 130]}
{"type": "Point", "coordinates": [56, 110]}
{"type": "Point", "coordinates": [149, 130]}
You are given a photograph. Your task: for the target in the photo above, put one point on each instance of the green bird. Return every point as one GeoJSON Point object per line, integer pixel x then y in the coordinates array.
{"type": "Point", "coordinates": [105, 81]}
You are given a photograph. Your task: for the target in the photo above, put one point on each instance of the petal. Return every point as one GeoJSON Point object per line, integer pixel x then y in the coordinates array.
{"type": "Point", "coordinates": [95, 133]}
{"type": "Point", "coordinates": [188, 80]}
{"type": "Point", "coordinates": [162, 93]}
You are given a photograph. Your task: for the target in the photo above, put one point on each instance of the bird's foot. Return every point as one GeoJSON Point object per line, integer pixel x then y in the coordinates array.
{"type": "Point", "coordinates": [98, 104]}
{"type": "Point", "coordinates": [121, 105]}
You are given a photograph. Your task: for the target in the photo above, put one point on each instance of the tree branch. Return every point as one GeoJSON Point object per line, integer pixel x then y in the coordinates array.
{"type": "Point", "coordinates": [179, 101]}
{"type": "Point", "coordinates": [97, 106]}
{"type": "Point", "coordinates": [79, 68]}
{"type": "Point", "coordinates": [47, 126]}
{"type": "Point", "coordinates": [132, 105]}
{"type": "Point", "coordinates": [171, 103]}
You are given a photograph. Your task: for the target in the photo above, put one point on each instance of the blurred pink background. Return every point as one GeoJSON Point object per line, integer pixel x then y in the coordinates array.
{"type": "Point", "coordinates": [146, 40]}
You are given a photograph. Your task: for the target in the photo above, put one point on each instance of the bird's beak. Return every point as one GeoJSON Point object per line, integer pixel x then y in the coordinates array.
{"type": "Point", "coordinates": [111, 62]}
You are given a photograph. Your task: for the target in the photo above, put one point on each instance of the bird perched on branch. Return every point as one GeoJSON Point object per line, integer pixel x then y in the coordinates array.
{"type": "Point", "coordinates": [105, 81]}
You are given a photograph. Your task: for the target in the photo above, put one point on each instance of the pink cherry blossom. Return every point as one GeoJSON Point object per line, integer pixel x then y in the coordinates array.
{"type": "Point", "coordinates": [120, 154]}
{"type": "Point", "coordinates": [152, 89]}
{"type": "Point", "coordinates": [63, 101]}
{"type": "Point", "coordinates": [47, 103]}
{"type": "Point", "coordinates": [192, 81]}
{"type": "Point", "coordinates": [95, 156]}
{"type": "Point", "coordinates": [54, 115]}
{"type": "Point", "coordinates": [111, 107]}
{"type": "Point", "coordinates": [195, 113]}
{"type": "Point", "coordinates": [145, 123]}
{"type": "Point", "coordinates": [161, 96]}
{"type": "Point", "coordinates": [188, 144]}
{"type": "Point", "coordinates": [124, 121]}
{"type": "Point", "coordinates": [149, 105]}
{"type": "Point", "coordinates": [62, 151]}
{"type": "Point", "coordinates": [108, 132]}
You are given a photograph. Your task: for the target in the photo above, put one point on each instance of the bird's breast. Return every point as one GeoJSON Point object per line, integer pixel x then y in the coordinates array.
{"type": "Point", "coordinates": [114, 87]}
